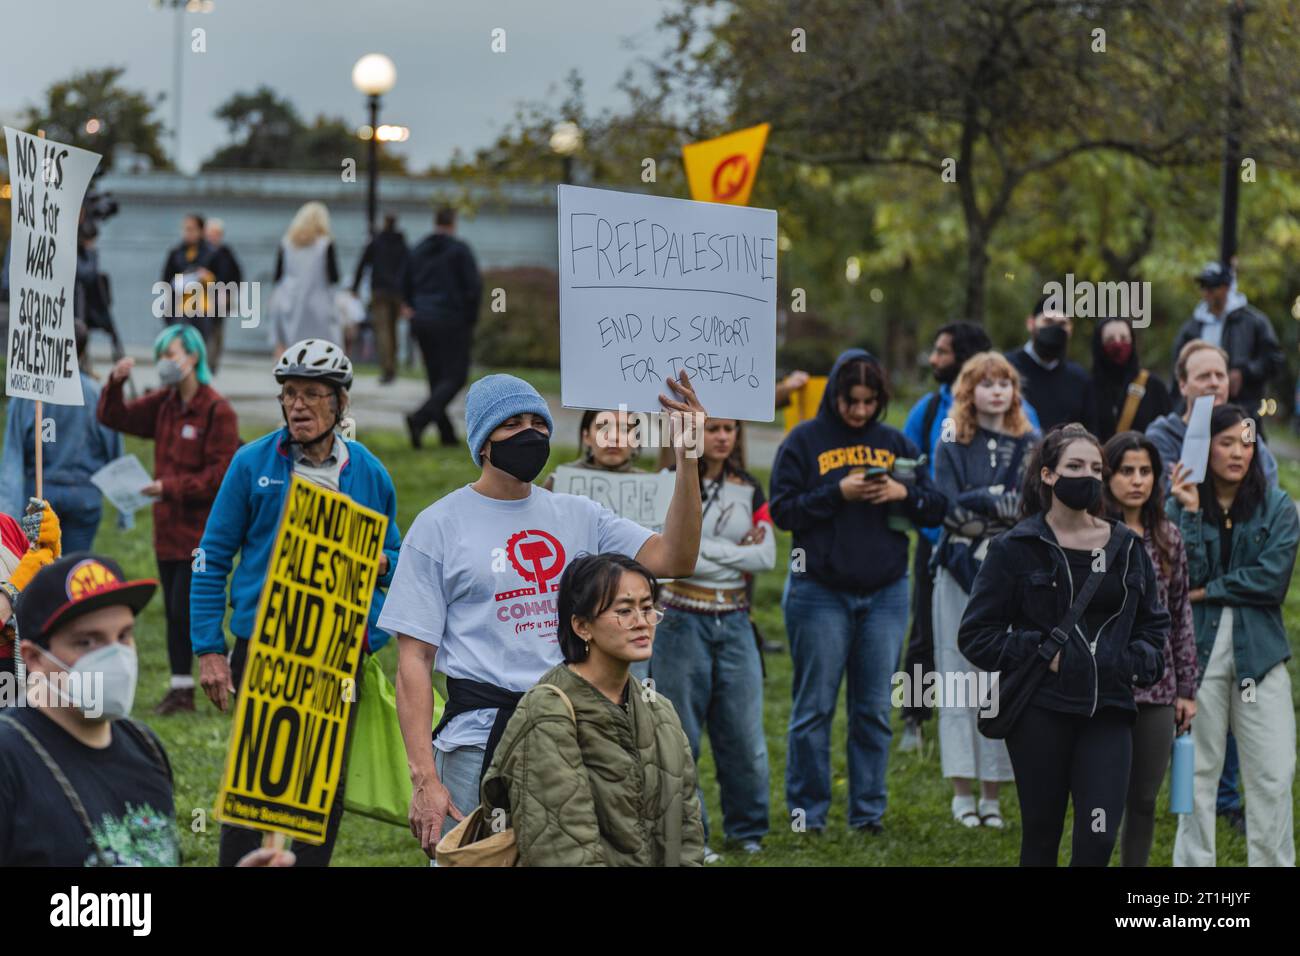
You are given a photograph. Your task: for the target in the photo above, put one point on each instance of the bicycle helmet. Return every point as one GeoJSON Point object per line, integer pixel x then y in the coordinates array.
{"type": "Point", "coordinates": [317, 359]}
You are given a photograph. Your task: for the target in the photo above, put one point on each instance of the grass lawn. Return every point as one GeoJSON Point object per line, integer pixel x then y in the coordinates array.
{"type": "Point", "coordinates": [919, 830]}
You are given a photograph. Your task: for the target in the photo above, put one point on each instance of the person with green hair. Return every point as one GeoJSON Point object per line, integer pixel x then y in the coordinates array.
{"type": "Point", "coordinates": [195, 435]}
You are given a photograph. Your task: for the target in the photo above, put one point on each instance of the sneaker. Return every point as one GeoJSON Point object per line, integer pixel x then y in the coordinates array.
{"type": "Point", "coordinates": [413, 430]}
{"type": "Point", "coordinates": [751, 846]}
{"type": "Point", "coordinates": [710, 856]}
{"type": "Point", "coordinates": [911, 740]}
{"type": "Point", "coordinates": [178, 700]}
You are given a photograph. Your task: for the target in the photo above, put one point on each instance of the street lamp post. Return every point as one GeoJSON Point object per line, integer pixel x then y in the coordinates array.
{"type": "Point", "coordinates": [373, 75]}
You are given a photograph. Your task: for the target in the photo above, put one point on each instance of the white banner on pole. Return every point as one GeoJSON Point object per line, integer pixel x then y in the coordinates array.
{"type": "Point", "coordinates": [48, 181]}
{"type": "Point", "coordinates": [650, 285]}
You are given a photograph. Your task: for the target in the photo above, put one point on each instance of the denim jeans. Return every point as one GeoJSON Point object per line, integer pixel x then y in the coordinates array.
{"type": "Point", "coordinates": [707, 665]}
{"type": "Point", "coordinates": [832, 633]}
{"type": "Point", "coordinates": [459, 770]}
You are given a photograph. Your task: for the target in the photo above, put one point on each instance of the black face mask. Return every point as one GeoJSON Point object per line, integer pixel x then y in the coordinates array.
{"type": "Point", "coordinates": [1079, 492]}
{"type": "Point", "coordinates": [1049, 342]}
{"type": "Point", "coordinates": [523, 455]}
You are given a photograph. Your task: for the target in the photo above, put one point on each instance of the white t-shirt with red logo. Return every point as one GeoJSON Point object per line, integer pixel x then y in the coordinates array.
{"type": "Point", "coordinates": [478, 578]}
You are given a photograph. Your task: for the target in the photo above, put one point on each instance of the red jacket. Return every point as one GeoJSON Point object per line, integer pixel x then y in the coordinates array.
{"type": "Point", "coordinates": [193, 445]}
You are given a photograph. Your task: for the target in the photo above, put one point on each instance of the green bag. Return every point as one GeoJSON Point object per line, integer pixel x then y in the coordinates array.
{"type": "Point", "coordinates": [379, 784]}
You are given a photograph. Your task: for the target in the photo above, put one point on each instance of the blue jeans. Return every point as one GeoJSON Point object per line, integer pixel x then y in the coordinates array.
{"type": "Point", "coordinates": [832, 633]}
{"type": "Point", "coordinates": [1229, 792]}
{"type": "Point", "coordinates": [707, 665]}
{"type": "Point", "coordinates": [459, 770]}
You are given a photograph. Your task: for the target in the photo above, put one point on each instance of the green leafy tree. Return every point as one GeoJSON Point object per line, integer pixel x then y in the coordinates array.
{"type": "Point", "coordinates": [125, 117]}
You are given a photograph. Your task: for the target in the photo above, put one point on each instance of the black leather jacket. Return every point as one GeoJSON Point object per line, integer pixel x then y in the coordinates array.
{"type": "Point", "coordinates": [1023, 590]}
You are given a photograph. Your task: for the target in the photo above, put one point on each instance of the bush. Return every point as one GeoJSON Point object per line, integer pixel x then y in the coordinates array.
{"type": "Point", "coordinates": [527, 333]}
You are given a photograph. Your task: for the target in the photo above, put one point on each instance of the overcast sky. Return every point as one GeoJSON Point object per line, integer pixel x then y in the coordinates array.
{"type": "Point", "coordinates": [452, 90]}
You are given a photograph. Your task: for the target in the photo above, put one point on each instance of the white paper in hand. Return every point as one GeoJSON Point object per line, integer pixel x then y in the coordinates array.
{"type": "Point", "coordinates": [120, 481]}
{"type": "Point", "coordinates": [1196, 444]}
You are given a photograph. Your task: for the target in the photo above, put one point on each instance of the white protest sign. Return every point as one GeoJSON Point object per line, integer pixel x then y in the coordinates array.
{"type": "Point", "coordinates": [48, 182]}
{"type": "Point", "coordinates": [649, 286]}
{"type": "Point", "coordinates": [120, 482]}
{"type": "Point", "coordinates": [1196, 443]}
{"type": "Point", "coordinates": [638, 496]}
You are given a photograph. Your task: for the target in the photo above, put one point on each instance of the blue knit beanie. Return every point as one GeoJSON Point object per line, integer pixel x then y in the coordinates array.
{"type": "Point", "coordinates": [493, 399]}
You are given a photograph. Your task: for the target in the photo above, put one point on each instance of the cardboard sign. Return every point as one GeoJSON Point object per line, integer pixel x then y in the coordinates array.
{"type": "Point", "coordinates": [48, 182]}
{"type": "Point", "coordinates": [298, 688]}
{"type": "Point", "coordinates": [638, 496]}
{"type": "Point", "coordinates": [650, 286]}
{"type": "Point", "coordinates": [724, 169]}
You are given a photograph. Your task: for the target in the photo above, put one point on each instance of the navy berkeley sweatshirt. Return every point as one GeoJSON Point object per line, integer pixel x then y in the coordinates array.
{"type": "Point", "coordinates": [847, 545]}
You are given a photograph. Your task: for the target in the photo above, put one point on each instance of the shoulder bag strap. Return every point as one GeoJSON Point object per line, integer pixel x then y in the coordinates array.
{"type": "Point", "coordinates": [145, 739]}
{"type": "Point", "coordinates": [1136, 390]}
{"type": "Point", "coordinates": [60, 778]}
{"type": "Point", "coordinates": [568, 704]}
{"type": "Point", "coordinates": [1061, 633]}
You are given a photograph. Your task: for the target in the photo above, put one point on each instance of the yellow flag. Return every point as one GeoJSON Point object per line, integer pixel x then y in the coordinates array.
{"type": "Point", "coordinates": [724, 169]}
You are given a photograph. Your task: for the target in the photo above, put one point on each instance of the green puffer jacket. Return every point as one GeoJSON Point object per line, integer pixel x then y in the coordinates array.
{"type": "Point", "coordinates": [617, 790]}
{"type": "Point", "coordinates": [1252, 587]}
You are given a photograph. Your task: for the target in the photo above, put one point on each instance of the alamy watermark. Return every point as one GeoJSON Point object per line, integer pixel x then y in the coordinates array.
{"type": "Point", "coordinates": [1093, 300]}
{"type": "Point", "coordinates": [973, 688]}
{"type": "Point", "coordinates": [652, 430]}
{"type": "Point", "coordinates": [193, 299]}
{"type": "Point", "coordinates": [58, 689]}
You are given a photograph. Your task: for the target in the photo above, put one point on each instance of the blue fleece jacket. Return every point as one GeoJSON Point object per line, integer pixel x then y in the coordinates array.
{"type": "Point", "coordinates": [848, 545]}
{"type": "Point", "coordinates": [245, 518]}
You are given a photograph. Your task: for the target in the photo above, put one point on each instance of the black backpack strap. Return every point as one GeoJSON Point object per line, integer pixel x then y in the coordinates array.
{"type": "Point", "coordinates": [143, 737]}
{"type": "Point", "coordinates": [60, 778]}
{"type": "Point", "coordinates": [927, 423]}
{"type": "Point", "coordinates": [1061, 633]}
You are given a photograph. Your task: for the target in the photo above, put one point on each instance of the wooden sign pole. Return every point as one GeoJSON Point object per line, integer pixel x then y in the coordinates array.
{"type": "Point", "coordinates": [40, 448]}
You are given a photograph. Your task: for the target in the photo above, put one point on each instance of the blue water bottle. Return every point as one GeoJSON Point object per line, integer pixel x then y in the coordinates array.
{"type": "Point", "coordinates": [1181, 774]}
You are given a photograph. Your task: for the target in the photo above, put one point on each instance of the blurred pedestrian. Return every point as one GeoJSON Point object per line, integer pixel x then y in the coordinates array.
{"type": "Point", "coordinates": [1059, 389]}
{"type": "Point", "coordinates": [186, 272]}
{"type": "Point", "coordinates": [1128, 397]}
{"type": "Point", "coordinates": [225, 269]}
{"type": "Point", "coordinates": [306, 271]}
{"type": "Point", "coordinates": [385, 256]}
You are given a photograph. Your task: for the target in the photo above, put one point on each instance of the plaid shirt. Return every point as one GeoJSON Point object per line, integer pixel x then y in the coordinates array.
{"type": "Point", "coordinates": [193, 445]}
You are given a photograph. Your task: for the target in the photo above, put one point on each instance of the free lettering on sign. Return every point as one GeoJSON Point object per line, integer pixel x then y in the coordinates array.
{"type": "Point", "coordinates": [650, 286]}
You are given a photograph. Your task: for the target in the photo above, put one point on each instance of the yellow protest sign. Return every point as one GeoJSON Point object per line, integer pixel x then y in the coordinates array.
{"type": "Point", "coordinates": [724, 169]}
{"type": "Point", "coordinates": [299, 683]}
{"type": "Point", "coordinates": [804, 401]}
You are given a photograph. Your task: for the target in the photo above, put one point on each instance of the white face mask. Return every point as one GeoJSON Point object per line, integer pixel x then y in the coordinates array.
{"type": "Point", "coordinates": [106, 681]}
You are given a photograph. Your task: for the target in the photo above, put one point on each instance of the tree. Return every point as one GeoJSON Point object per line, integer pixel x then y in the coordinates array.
{"type": "Point", "coordinates": [125, 117]}
{"type": "Point", "coordinates": [268, 133]}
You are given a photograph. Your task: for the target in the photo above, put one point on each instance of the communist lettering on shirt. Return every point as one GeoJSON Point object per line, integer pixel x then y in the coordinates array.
{"type": "Point", "coordinates": [854, 456]}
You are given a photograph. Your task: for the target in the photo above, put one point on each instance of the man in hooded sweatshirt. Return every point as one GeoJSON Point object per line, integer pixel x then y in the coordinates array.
{"type": "Point", "coordinates": [1224, 318]}
{"type": "Point", "coordinates": [442, 289]}
{"type": "Point", "coordinates": [837, 487]}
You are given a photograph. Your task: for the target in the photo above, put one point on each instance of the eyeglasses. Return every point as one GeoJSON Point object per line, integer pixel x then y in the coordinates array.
{"type": "Point", "coordinates": [288, 398]}
{"type": "Point", "coordinates": [628, 616]}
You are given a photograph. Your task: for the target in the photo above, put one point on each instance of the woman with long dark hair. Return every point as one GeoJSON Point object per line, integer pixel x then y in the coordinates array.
{"type": "Point", "coordinates": [1169, 704]}
{"type": "Point", "coordinates": [605, 442]}
{"type": "Point", "coordinates": [1075, 737]}
{"type": "Point", "coordinates": [1241, 537]}
{"type": "Point", "coordinates": [593, 769]}
{"type": "Point", "coordinates": [1127, 396]}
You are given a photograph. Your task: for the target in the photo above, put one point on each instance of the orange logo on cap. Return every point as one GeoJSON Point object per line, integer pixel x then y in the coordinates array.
{"type": "Point", "coordinates": [729, 176]}
{"type": "Point", "coordinates": [89, 577]}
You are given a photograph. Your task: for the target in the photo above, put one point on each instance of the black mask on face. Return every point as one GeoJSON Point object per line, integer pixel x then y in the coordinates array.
{"type": "Point", "coordinates": [1049, 341]}
{"type": "Point", "coordinates": [1079, 492]}
{"type": "Point", "coordinates": [523, 455]}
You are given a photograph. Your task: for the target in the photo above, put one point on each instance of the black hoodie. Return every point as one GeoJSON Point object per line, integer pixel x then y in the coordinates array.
{"type": "Point", "coordinates": [441, 280]}
{"type": "Point", "coordinates": [847, 545]}
{"type": "Point", "coordinates": [1110, 384]}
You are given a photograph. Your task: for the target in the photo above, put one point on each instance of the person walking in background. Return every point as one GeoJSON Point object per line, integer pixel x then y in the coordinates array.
{"type": "Point", "coordinates": [74, 447]}
{"type": "Point", "coordinates": [195, 434]}
{"type": "Point", "coordinates": [224, 268]}
{"type": "Point", "coordinates": [1241, 537]}
{"type": "Point", "coordinates": [1202, 370]}
{"type": "Point", "coordinates": [707, 658]}
{"type": "Point", "coordinates": [845, 612]}
{"type": "Point", "coordinates": [1075, 736]}
{"type": "Point", "coordinates": [442, 289]}
{"type": "Point", "coordinates": [1059, 389]}
{"type": "Point", "coordinates": [1128, 397]}
{"type": "Point", "coordinates": [385, 256]}
{"type": "Point", "coordinates": [619, 778]}
{"type": "Point", "coordinates": [979, 472]}
{"type": "Point", "coordinates": [185, 265]}
{"type": "Point", "coordinates": [954, 344]}
{"type": "Point", "coordinates": [314, 378]}
{"type": "Point", "coordinates": [306, 271]}
{"type": "Point", "coordinates": [1131, 496]}
{"type": "Point", "coordinates": [1225, 319]}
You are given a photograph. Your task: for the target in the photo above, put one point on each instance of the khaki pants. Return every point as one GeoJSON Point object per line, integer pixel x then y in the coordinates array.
{"type": "Point", "coordinates": [385, 308]}
{"type": "Point", "coordinates": [1266, 740]}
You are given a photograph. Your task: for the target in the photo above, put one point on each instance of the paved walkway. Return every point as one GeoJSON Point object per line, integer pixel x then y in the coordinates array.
{"type": "Point", "coordinates": [246, 381]}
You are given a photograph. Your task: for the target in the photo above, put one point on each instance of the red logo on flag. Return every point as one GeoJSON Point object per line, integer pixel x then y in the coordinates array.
{"type": "Point", "coordinates": [730, 176]}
